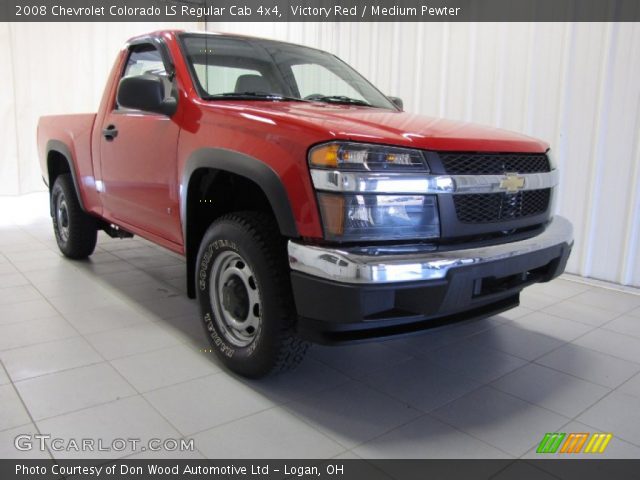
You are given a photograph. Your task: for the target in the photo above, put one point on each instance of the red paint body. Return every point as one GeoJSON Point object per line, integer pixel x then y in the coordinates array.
{"type": "Point", "coordinates": [142, 168]}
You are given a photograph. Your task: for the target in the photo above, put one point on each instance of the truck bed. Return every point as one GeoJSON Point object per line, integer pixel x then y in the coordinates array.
{"type": "Point", "coordinates": [74, 133]}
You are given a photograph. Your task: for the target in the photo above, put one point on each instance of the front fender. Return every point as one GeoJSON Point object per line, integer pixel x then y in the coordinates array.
{"type": "Point", "coordinates": [243, 165]}
{"type": "Point", "coordinates": [249, 167]}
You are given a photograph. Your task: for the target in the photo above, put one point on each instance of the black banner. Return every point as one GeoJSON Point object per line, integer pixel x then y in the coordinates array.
{"type": "Point", "coordinates": [583, 469]}
{"type": "Point", "coordinates": [320, 10]}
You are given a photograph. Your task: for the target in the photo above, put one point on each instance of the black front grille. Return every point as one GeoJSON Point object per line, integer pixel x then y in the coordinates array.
{"type": "Point", "coordinates": [465, 163]}
{"type": "Point", "coordinates": [496, 207]}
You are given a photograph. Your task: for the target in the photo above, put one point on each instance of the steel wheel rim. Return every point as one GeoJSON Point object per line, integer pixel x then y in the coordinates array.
{"type": "Point", "coordinates": [62, 217]}
{"type": "Point", "coordinates": [235, 299]}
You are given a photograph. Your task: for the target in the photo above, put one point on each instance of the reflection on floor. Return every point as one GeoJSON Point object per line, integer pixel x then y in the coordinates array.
{"type": "Point", "coordinates": [111, 348]}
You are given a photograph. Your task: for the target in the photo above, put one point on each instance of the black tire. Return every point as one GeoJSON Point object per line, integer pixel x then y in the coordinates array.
{"type": "Point", "coordinates": [76, 231]}
{"type": "Point", "coordinates": [250, 246]}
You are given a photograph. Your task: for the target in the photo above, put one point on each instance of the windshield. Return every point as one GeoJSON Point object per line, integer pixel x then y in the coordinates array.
{"type": "Point", "coordinates": [232, 68]}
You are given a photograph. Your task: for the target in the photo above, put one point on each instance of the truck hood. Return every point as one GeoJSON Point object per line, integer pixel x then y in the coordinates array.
{"type": "Point", "coordinates": [376, 125]}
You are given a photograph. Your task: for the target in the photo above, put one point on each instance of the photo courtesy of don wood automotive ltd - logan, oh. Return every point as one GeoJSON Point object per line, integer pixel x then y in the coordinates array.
{"type": "Point", "coordinates": [316, 238]}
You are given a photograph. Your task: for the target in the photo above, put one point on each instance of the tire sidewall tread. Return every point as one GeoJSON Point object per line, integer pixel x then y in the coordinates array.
{"type": "Point", "coordinates": [83, 232]}
{"type": "Point", "coordinates": [254, 236]}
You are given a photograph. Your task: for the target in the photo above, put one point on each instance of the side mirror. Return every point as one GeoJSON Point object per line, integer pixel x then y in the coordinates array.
{"type": "Point", "coordinates": [397, 101]}
{"type": "Point", "coordinates": [146, 93]}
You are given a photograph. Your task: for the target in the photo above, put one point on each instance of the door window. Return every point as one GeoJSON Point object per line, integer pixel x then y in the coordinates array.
{"type": "Point", "coordinates": [146, 60]}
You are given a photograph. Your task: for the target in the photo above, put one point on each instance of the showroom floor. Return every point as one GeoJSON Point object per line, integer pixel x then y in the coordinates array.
{"type": "Point", "coordinates": [112, 348]}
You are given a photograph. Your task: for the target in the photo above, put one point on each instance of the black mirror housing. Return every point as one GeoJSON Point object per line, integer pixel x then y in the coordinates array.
{"type": "Point", "coordinates": [397, 101]}
{"type": "Point", "coordinates": [146, 93]}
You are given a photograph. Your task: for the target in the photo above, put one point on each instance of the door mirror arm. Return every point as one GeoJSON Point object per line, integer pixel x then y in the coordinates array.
{"type": "Point", "coordinates": [397, 101]}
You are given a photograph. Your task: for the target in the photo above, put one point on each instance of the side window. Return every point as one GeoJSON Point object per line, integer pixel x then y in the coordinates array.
{"type": "Point", "coordinates": [313, 78]}
{"type": "Point", "coordinates": [146, 59]}
{"type": "Point", "coordinates": [217, 79]}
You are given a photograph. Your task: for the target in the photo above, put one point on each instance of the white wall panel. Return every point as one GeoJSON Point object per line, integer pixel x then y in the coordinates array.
{"type": "Point", "coordinates": [52, 68]}
{"type": "Point", "coordinates": [573, 84]}
{"type": "Point", "coordinates": [9, 175]}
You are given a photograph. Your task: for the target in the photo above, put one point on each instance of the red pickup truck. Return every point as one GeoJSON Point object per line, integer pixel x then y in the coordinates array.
{"type": "Point", "coordinates": [309, 206]}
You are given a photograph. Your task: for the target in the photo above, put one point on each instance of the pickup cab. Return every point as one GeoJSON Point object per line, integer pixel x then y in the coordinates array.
{"type": "Point", "coordinates": [308, 205]}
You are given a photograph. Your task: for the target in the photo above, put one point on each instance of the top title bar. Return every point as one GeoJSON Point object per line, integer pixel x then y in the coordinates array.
{"type": "Point", "coordinates": [320, 10]}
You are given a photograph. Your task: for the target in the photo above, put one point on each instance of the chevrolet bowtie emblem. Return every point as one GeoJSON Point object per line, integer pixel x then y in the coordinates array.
{"type": "Point", "coordinates": [512, 182]}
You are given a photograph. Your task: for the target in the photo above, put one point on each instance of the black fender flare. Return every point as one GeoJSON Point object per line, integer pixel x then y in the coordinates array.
{"type": "Point", "coordinates": [249, 167]}
{"type": "Point", "coordinates": [61, 148]}
{"type": "Point", "coordinates": [243, 165]}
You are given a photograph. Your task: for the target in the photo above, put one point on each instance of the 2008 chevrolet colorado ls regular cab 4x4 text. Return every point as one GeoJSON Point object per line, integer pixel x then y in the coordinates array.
{"type": "Point", "coordinates": [308, 205]}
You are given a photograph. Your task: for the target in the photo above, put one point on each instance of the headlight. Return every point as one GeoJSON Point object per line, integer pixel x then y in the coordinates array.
{"type": "Point", "coordinates": [379, 217]}
{"type": "Point", "coordinates": [379, 200]}
{"type": "Point", "coordinates": [362, 156]}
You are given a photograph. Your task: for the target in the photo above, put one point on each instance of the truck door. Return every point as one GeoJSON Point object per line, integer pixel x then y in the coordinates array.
{"type": "Point", "coordinates": [138, 156]}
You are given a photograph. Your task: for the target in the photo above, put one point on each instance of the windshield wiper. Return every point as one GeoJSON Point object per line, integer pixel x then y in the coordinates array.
{"type": "Point", "coordinates": [340, 99]}
{"type": "Point", "coordinates": [252, 96]}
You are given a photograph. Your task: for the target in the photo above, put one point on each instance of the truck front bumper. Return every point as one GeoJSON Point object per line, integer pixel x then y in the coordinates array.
{"type": "Point", "coordinates": [354, 294]}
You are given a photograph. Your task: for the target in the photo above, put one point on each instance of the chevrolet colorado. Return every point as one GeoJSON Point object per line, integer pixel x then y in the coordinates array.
{"type": "Point", "coordinates": [309, 206]}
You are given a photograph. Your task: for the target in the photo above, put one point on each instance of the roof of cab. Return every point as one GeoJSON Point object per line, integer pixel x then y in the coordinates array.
{"type": "Point", "coordinates": [175, 32]}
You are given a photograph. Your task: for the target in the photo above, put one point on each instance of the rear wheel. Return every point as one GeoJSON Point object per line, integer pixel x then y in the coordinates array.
{"type": "Point", "coordinates": [245, 298]}
{"type": "Point", "coordinates": [76, 231]}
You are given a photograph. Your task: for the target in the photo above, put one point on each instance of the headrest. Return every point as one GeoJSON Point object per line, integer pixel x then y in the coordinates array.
{"type": "Point", "coordinates": [252, 83]}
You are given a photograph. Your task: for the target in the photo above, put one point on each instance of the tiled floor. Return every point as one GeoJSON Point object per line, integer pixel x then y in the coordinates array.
{"type": "Point", "coordinates": [111, 348]}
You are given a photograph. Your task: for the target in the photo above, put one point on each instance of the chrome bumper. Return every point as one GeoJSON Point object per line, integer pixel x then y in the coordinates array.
{"type": "Point", "coordinates": [371, 267]}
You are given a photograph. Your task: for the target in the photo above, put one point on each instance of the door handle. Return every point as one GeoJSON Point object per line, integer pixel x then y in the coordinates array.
{"type": "Point", "coordinates": [110, 132]}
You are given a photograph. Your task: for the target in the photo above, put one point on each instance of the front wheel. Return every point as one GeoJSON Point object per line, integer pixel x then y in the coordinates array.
{"type": "Point", "coordinates": [244, 293]}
